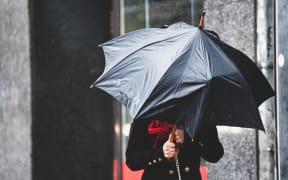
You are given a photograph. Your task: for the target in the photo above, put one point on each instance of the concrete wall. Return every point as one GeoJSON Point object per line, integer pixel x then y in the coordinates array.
{"type": "Point", "coordinates": [15, 91]}
{"type": "Point", "coordinates": [234, 21]}
{"type": "Point", "coordinates": [265, 61]}
{"type": "Point", "coordinates": [281, 85]}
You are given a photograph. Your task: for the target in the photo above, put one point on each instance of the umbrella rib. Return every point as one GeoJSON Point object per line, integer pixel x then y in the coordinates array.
{"type": "Point", "coordinates": [180, 79]}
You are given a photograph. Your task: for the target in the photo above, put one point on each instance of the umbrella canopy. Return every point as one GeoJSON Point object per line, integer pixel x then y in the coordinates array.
{"type": "Point", "coordinates": [187, 71]}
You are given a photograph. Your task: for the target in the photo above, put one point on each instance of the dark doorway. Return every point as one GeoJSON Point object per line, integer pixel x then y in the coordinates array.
{"type": "Point", "coordinates": [72, 128]}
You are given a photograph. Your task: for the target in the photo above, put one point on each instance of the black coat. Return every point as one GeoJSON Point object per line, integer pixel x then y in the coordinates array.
{"type": "Point", "coordinates": [141, 155]}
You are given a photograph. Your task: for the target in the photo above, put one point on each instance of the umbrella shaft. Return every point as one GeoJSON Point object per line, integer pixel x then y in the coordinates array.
{"type": "Point", "coordinates": [178, 168]}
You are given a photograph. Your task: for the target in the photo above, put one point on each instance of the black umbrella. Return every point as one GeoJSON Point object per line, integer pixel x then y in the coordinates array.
{"type": "Point", "coordinates": [184, 71]}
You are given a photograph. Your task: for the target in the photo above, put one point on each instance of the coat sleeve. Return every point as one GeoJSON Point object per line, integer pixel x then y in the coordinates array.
{"type": "Point", "coordinates": [211, 148]}
{"type": "Point", "coordinates": [139, 152]}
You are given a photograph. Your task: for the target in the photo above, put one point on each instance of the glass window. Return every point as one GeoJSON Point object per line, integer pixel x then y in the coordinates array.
{"type": "Point", "coordinates": [156, 13]}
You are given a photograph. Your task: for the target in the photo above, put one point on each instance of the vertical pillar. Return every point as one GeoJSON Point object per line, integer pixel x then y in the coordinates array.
{"type": "Point", "coordinates": [281, 57]}
{"type": "Point", "coordinates": [116, 30]}
{"type": "Point", "coordinates": [266, 140]}
{"type": "Point", "coordinates": [15, 91]}
{"type": "Point", "coordinates": [234, 21]}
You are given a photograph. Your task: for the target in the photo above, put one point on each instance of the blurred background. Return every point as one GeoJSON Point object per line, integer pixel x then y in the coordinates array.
{"type": "Point", "coordinates": [54, 127]}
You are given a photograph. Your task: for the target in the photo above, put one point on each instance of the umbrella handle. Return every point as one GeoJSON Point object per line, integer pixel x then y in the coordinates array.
{"type": "Point", "coordinates": [172, 134]}
{"type": "Point", "coordinates": [172, 139]}
{"type": "Point", "coordinates": [201, 21]}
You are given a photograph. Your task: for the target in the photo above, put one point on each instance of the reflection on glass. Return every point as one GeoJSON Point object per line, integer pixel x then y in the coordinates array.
{"type": "Point", "coordinates": [156, 13]}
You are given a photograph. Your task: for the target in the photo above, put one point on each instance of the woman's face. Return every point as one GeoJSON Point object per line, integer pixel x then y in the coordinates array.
{"type": "Point", "coordinates": [179, 136]}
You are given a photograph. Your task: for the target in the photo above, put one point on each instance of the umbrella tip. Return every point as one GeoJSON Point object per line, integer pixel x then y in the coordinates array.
{"type": "Point", "coordinates": [99, 45]}
{"type": "Point", "coordinates": [203, 11]}
{"type": "Point", "coordinates": [164, 26]}
{"type": "Point", "coordinates": [201, 21]}
{"type": "Point", "coordinates": [91, 86]}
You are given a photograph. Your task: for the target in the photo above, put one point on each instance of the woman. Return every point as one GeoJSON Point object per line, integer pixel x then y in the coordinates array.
{"type": "Point", "coordinates": [149, 148]}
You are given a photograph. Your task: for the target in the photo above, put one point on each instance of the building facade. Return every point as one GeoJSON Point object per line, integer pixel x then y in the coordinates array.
{"type": "Point", "coordinates": [53, 126]}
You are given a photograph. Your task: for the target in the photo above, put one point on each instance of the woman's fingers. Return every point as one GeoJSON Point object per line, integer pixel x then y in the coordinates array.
{"type": "Point", "coordinates": [169, 150]}
{"type": "Point", "coordinates": [169, 147]}
{"type": "Point", "coordinates": [169, 154]}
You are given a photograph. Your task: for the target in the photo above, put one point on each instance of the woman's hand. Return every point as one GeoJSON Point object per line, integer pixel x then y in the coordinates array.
{"type": "Point", "coordinates": [169, 148]}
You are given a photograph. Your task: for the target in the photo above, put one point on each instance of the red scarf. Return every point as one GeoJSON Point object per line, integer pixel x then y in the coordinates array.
{"type": "Point", "coordinates": [160, 130]}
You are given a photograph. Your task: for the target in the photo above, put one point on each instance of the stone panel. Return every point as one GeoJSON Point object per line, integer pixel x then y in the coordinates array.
{"type": "Point", "coordinates": [234, 21]}
{"type": "Point", "coordinates": [281, 86]}
{"type": "Point", "coordinates": [15, 91]}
